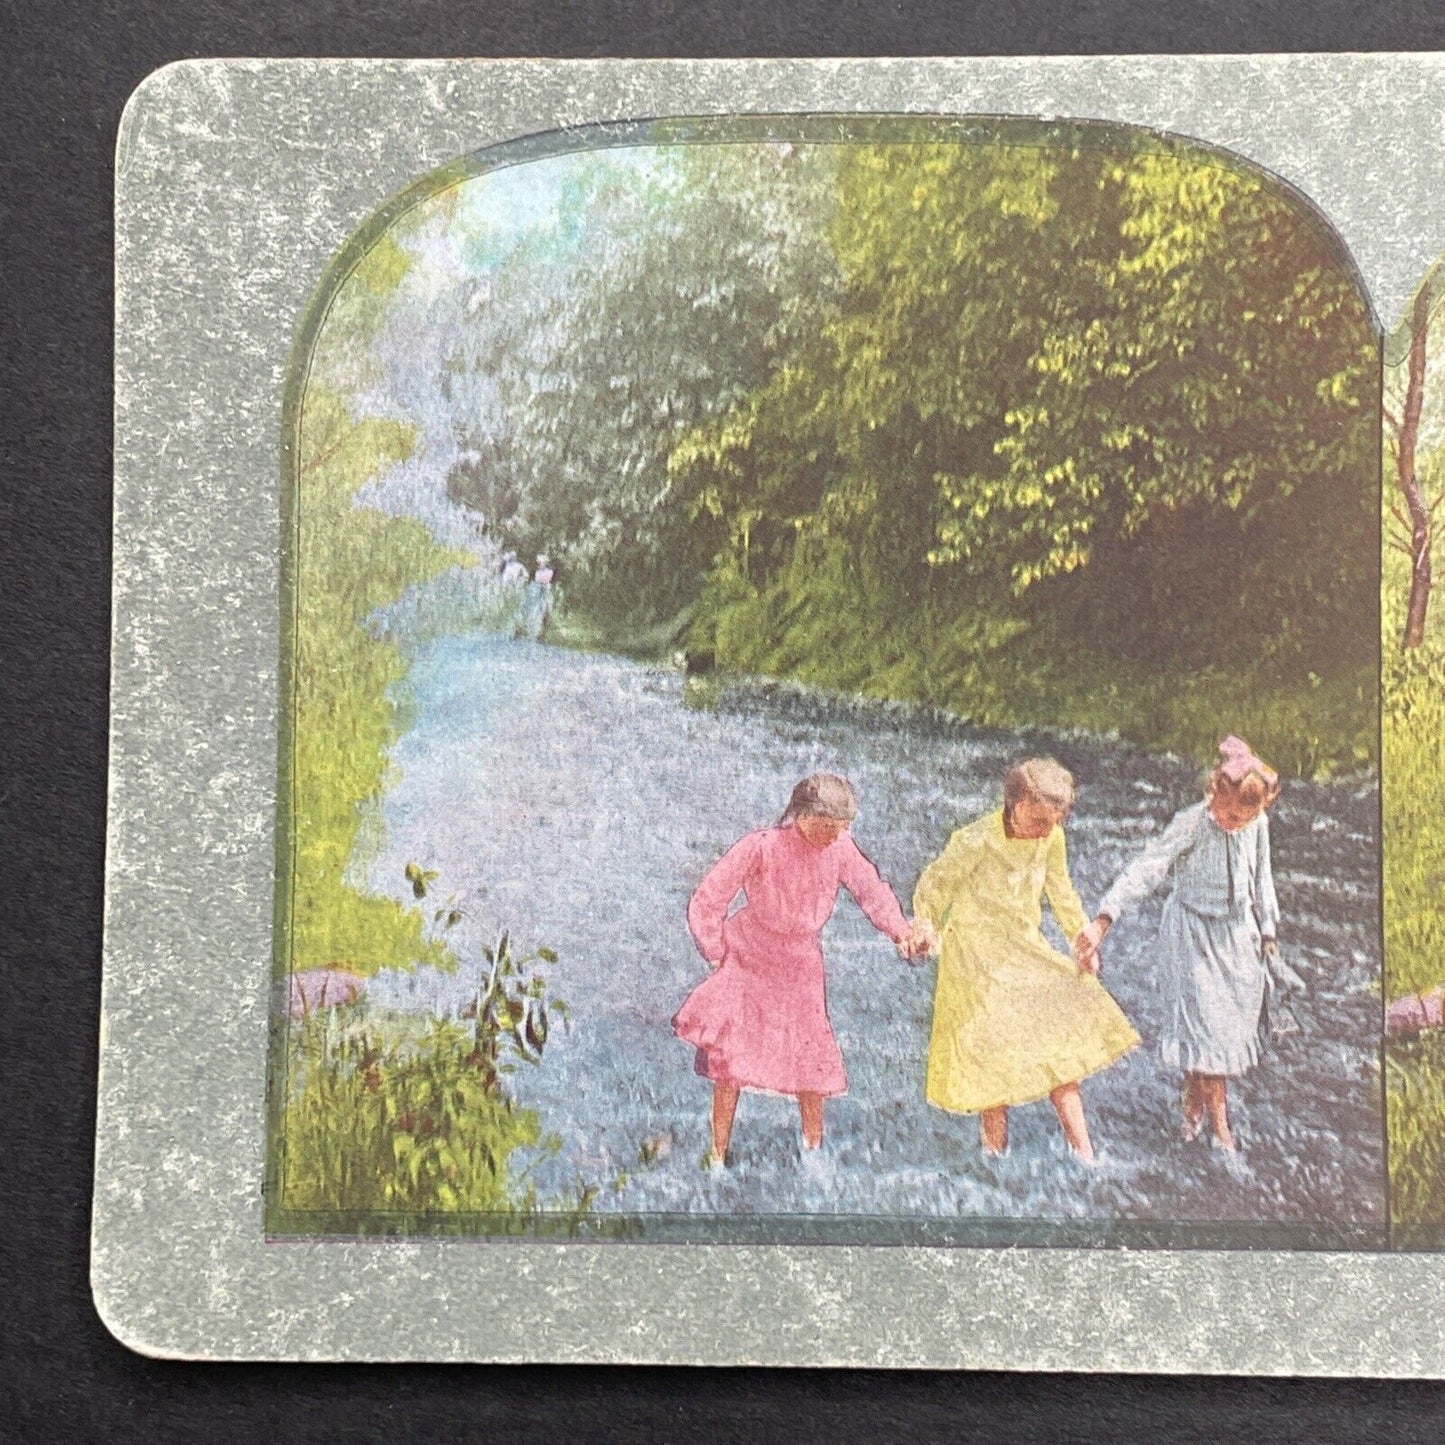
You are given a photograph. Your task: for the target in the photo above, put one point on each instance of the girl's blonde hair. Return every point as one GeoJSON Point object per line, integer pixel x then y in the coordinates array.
{"type": "Point", "coordinates": [1254, 790]}
{"type": "Point", "coordinates": [1243, 776]}
{"type": "Point", "coordinates": [1043, 780]}
{"type": "Point", "coordinates": [823, 795]}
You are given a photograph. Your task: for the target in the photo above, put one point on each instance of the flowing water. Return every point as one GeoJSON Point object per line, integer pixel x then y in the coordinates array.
{"type": "Point", "coordinates": [576, 799]}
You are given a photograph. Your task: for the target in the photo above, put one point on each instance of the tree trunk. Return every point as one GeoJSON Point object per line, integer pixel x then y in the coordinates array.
{"type": "Point", "coordinates": [1409, 481]}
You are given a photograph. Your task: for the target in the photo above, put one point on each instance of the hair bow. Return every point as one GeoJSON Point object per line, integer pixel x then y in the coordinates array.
{"type": "Point", "coordinates": [1240, 760]}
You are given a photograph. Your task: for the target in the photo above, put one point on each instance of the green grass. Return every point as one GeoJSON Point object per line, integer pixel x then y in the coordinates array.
{"type": "Point", "coordinates": [348, 562]}
{"type": "Point", "coordinates": [1415, 1074]}
{"type": "Point", "coordinates": [1413, 740]}
{"type": "Point", "coordinates": [403, 1120]}
{"type": "Point", "coordinates": [376, 1128]}
{"type": "Point", "coordinates": [1413, 717]}
{"type": "Point", "coordinates": [574, 628]}
{"type": "Point", "coordinates": [400, 1125]}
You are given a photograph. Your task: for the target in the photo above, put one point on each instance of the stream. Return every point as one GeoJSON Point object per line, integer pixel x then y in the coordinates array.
{"type": "Point", "coordinates": [576, 799]}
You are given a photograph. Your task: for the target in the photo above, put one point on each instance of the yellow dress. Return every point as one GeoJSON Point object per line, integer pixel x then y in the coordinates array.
{"type": "Point", "coordinates": [1012, 1017]}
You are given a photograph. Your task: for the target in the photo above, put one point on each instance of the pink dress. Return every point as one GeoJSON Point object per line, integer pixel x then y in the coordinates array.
{"type": "Point", "coordinates": [760, 1021]}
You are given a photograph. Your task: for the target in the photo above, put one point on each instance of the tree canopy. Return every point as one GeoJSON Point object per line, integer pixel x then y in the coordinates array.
{"type": "Point", "coordinates": [1068, 400]}
{"type": "Point", "coordinates": [951, 419]}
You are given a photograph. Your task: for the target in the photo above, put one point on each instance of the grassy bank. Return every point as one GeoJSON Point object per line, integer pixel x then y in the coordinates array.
{"type": "Point", "coordinates": [1413, 740]}
{"type": "Point", "coordinates": [1316, 727]}
{"type": "Point", "coordinates": [1002, 674]}
{"type": "Point", "coordinates": [379, 1125]}
{"type": "Point", "coordinates": [398, 1123]}
{"type": "Point", "coordinates": [661, 642]}
{"type": "Point", "coordinates": [1413, 722]}
{"type": "Point", "coordinates": [348, 562]}
{"type": "Point", "coordinates": [1415, 1072]}
{"type": "Point", "coordinates": [396, 1119]}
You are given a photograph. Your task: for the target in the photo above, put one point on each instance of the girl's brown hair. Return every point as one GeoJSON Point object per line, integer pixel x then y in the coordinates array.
{"type": "Point", "coordinates": [823, 795]}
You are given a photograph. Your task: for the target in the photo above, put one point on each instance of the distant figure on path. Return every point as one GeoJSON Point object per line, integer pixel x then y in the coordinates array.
{"type": "Point", "coordinates": [538, 604]}
{"type": "Point", "coordinates": [514, 592]}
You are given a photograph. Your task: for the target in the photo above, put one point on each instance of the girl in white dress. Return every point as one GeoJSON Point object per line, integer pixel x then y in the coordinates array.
{"type": "Point", "coordinates": [1218, 928]}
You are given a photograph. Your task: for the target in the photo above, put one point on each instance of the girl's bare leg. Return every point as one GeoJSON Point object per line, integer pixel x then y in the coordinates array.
{"type": "Point", "coordinates": [1214, 1088]}
{"type": "Point", "coordinates": [1191, 1100]}
{"type": "Point", "coordinates": [993, 1130]}
{"type": "Point", "coordinates": [1069, 1105]}
{"type": "Point", "coordinates": [810, 1106]}
{"type": "Point", "coordinates": [724, 1106]}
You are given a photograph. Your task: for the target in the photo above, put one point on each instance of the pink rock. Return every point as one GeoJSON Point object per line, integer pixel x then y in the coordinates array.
{"type": "Point", "coordinates": [1416, 1011]}
{"type": "Point", "coordinates": [315, 988]}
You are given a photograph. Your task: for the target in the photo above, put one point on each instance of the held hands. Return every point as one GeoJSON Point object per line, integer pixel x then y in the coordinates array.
{"type": "Point", "coordinates": [1087, 944]}
{"type": "Point", "coordinates": [918, 942]}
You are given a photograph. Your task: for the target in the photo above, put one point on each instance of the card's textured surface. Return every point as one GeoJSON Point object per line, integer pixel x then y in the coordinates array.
{"type": "Point", "coordinates": [238, 182]}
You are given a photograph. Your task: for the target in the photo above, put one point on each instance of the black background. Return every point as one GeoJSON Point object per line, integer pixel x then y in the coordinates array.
{"type": "Point", "coordinates": [67, 70]}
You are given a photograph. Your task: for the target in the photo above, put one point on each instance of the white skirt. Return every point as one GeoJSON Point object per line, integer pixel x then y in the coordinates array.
{"type": "Point", "coordinates": [1212, 990]}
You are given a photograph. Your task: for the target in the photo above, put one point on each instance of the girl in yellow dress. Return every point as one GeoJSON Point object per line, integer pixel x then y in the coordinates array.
{"type": "Point", "coordinates": [1013, 1019]}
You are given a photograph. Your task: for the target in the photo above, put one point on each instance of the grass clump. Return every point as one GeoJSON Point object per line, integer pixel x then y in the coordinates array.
{"type": "Point", "coordinates": [1413, 783]}
{"type": "Point", "coordinates": [1415, 1076]}
{"type": "Point", "coordinates": [395, 1123]}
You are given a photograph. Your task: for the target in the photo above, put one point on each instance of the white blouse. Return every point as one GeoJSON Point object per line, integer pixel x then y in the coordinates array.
{"type": "Point", "coordinates": [1216, 873]}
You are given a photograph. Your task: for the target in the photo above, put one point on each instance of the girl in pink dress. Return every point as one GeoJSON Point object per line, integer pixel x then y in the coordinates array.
{"type": "Point", "coordinates": [760, 1021]}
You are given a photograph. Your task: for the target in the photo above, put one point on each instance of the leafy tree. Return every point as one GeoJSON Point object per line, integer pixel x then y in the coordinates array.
{"type": "Point", "coordinates": [1213, 406]}
{"type": "Point", "coordinates": [1415, 534]}
{"type": "Point", "coordinates": [675, 289]}
{"type": "Point", "coordinates": [1113, 399]}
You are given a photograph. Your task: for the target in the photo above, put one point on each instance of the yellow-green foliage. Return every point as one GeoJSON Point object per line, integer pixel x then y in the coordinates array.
{"type": "Point", "coordinates": [1413, 728]}
{"type": "Point", "coordinates": [406, 1123]}
{"type": "Point", "coordinates": [349, 561]}
{"type": "Point", "coordinates": [1413, 782]}
{"type": "Point", "coordinates": [1415, 1070]}
{"type": "Point", "coordinates": [1088, 440]}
